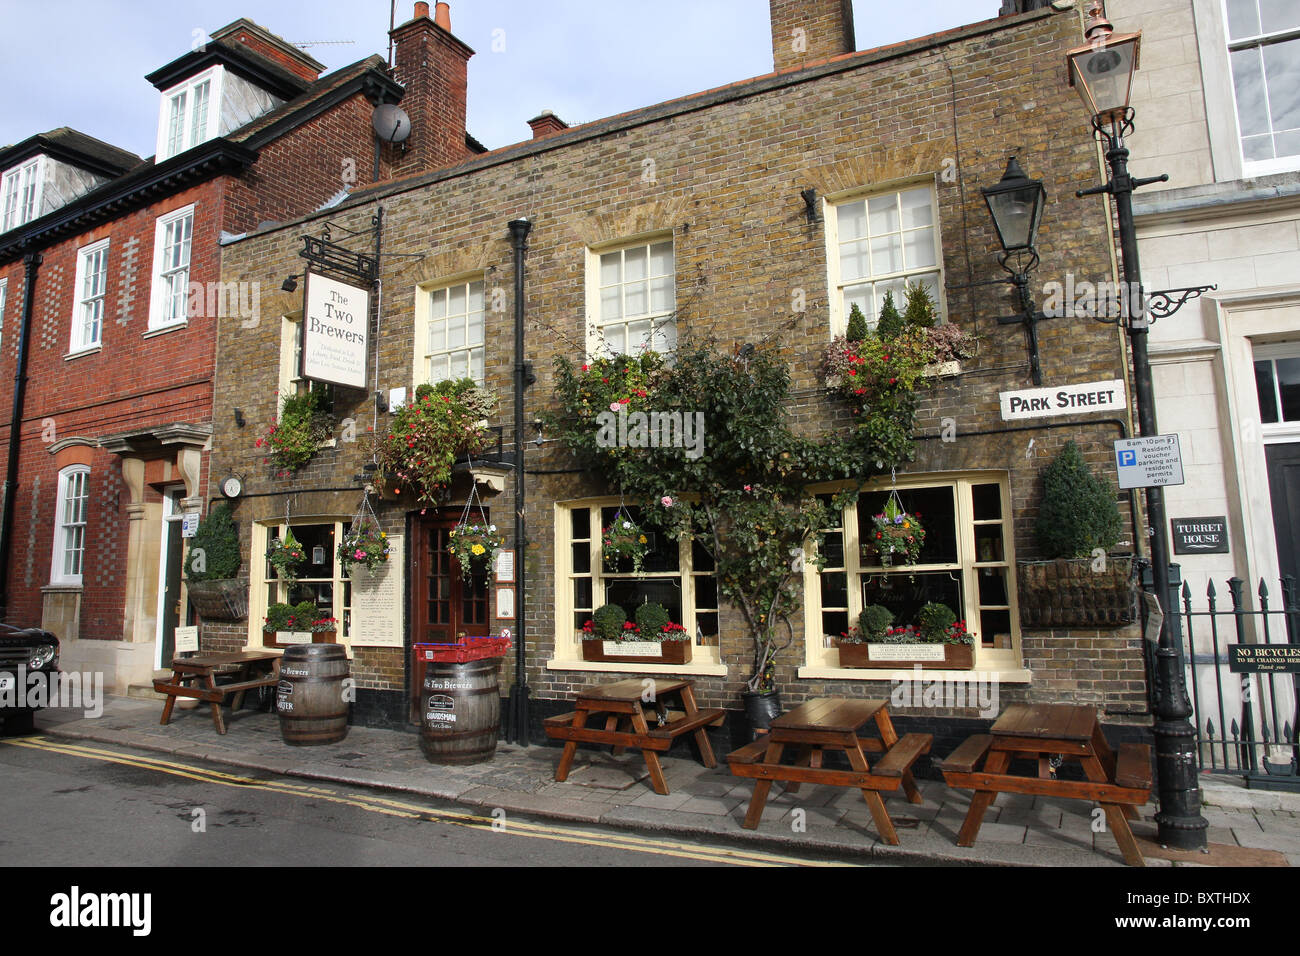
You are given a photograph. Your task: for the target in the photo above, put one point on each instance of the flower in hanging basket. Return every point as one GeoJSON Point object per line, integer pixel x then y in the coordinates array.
{"type": "Point", "coordinates": [368, 546]}
{"type": "Point", "coordinates": [624, 538]}
{"type": "Point", "coordinates": [444, 422]}
{"type": "Point", "coordinates": [286, 555]}
{"type": "Point", "coordinates": [897, 537]}
{"type": "Point", "coordinates": [474, 546]}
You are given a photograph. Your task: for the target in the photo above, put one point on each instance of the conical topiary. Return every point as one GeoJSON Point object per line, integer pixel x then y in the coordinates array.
{"type": "Point", "coordinates": [890, 323]}
{"type": "Point", "coordinates": [1078, 512]}
{"type": "Point", "coordinates": [214, 549]}
{"type": "Point", "coordinates": [857, 330]}
{"type": "Point", "coordinates": [919, 309]}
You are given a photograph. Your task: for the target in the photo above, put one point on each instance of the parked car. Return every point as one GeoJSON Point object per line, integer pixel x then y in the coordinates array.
{"type": "Point", "coordinates": [23, 651]}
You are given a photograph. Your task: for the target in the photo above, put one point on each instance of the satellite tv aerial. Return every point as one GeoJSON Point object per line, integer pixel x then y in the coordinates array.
{"type": "Point", "coordinates": [391, 123]}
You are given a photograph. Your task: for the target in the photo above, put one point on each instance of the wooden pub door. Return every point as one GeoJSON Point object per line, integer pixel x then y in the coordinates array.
{"type": "Point", "coordinates": [444, 605]}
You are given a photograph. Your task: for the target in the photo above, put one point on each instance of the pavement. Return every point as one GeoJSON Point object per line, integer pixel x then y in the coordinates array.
{"type": "Point", "coordinates": [1246, 827]}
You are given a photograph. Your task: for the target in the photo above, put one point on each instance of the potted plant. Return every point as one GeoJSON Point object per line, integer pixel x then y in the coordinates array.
{"type": "Point", "coordinates": [653, 638]}
{"type": "Point", "coordinates": [896, 536]}
{"type": "Point", "coordinates": [364, 546]}
{"type": "Point", "coordinates": [286, 556]}
{"type": "Point", "coordinates": [474, 546]}
{"type": "Point", "coordinates": [212, 568]}
{"type": "Point", "coordinates": [293, 438]}
{"type": "Point", "coordinates": [936, 641]}
{"type": "Point", "coordinates": [302, 623]}
{"type": "Point", "coordinates": [1077, 583]}
{"type": "Point", "coordinates": [441, 424]}
{"type": "Point", "coordinates": [624, 538]}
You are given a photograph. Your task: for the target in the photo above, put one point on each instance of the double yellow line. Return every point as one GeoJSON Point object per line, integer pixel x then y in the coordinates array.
{"type": "Point", "coordinates": [398, 808]}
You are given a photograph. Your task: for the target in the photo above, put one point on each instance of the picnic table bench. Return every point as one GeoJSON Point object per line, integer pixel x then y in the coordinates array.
{"type": "Point", "coordinates": [626, 726]}
{"type": "Point", "coordinates": [1119, 782]}
{"type": "Point", "coordinates": [831, 723]}
{"type": "Point", "coordinates": [195, 677]}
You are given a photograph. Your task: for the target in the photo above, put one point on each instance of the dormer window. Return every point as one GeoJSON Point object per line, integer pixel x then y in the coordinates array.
{"type": "Point", "coordinates": [190, 113]}
{"type": "Point", "coordinates": [21, 192]}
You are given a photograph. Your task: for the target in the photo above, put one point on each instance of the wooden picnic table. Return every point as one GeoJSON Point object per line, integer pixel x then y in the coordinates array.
{"type": "Point", "coordinates": [1049, 734]}
{"type": "Point", "coordinates": [832, 723]}
{"type": "Point", "coordinates": [626, 724]}
{"type": "Point", "coordinates": [195, 677]}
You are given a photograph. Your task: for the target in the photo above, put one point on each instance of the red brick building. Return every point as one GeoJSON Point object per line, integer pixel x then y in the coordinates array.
{"type": "Point", "coordinates": [109, 297]}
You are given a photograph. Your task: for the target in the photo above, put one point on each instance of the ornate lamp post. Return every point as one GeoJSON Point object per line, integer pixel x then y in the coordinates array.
{"type": "Point", "coordinates": [1016, 205]}
{"type": "Point", "coordinates": [1102, 72]}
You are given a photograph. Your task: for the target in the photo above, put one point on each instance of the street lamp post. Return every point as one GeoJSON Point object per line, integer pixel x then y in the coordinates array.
{"type": "Point", "coordinates": [1103, 74]}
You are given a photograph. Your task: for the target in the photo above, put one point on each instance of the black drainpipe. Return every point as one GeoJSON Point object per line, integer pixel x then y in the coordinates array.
{"type": "Point", "coordinates": [518, 723]}
{"type": "Point", "coordinates": [33, 262]}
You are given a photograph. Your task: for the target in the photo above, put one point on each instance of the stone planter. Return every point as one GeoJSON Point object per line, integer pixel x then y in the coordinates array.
{"type": "Point", "coordinates": [221, 600]}
{"type": "Point", "coordinates": [907, 656]}
{"type": "Point", "coordinates": [1070, 593]}
{"type": "Point", "coordinates": [293, 638]}
{"type": "Point", "coordinates": [636, 652]}
{"type": "Point", "coordinates": [942, 369]}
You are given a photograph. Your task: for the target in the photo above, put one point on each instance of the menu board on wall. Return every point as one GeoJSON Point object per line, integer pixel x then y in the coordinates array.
{"type": "Point", "coordinates": [377, 601]}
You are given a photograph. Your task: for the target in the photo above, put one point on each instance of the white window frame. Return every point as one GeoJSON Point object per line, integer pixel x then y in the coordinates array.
{"type": "Point", "coordinates": [426, 297]}
{"type": "Point", "coordinates": [1007, 662]}
{"type": "Point", "coordinates": [705, 659]}
{"type": "Point", "coordinates": [661, 320]}
{"type": "Point", "coordinates": [190, 134]}
{"type": "Point", "coordinates": [1287, 430]}
{"type": "Point", "coordinates": [1252, 168]}
{"type": "Point", "coordinates": [265, 591]}
{"type": "Point", "coordinates": [159, 297]}
{"type": "Point", "coordinates": [22, 190]}
{"type": "Point", "coordinates": [4, 295]}
{"type": "Point", "coordinates": [80, 341]}
{"type": "Point", "coordinates": [69, 533]}
{"type": "Point", "coordinates": [839, 318]}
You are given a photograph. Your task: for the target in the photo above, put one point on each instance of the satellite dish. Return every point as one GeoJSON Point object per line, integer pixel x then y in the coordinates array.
{"type": "Point", "coordinates": [391, 123]}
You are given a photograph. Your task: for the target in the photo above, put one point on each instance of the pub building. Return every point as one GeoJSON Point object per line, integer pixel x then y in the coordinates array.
{"type": "Point", "coordinates": [770, 206]}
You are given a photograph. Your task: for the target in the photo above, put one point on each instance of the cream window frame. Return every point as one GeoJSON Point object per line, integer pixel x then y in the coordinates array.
{"type": "Point", "coordinates": [259, 586]}
{"type": "Point", "coordinates": [596, 322]}
{"type": "Point", "coordinates": [1006, 663]}
{"type": "Point", "coordinates": [85, 256]}
{"type": "Point", "coordinates": [420, 356]}
{"type": "Point", "coordinates": [64, 525]}
{"type": "Point", "coordinates": [831, 206]}
{"type": "Point", "coordinates": [191, 135]}
{"type": "Point", "coordinates": [568, 645]}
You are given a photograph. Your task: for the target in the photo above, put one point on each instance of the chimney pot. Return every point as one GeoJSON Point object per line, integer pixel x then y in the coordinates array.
{"type": "Point", "coordinates": [441, 15]}
{"type": "Point", "coordinates": [421, 9]}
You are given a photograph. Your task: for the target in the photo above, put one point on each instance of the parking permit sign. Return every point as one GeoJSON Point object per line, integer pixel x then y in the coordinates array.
{"type": "Point", "coordinates": [1150, 462]}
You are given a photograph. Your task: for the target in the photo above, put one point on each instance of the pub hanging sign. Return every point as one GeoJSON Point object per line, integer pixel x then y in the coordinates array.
{"type": "Point", "coordinates": [336, 318]}
{"type": "Point", "coordinates": [1200, 535]}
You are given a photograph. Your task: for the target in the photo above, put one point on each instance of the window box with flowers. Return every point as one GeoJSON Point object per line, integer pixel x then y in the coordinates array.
{"type": "Point", "coordinates": [653, 638]}
{"type": "Point", "coordinates": [937, 641]}
{"type": "Point", "coordinates": [289, 624]}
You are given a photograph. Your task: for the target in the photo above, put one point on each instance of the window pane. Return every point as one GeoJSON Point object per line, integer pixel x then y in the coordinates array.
{"type": "Point", "coordinates": [994, 628]}
{"type": "Point", "coordinates": [611, 304]}
{"type": "Point", "coordinates": [993, 587]}
{"type": "Point", "coordinates": [1278, 15]}
{"type": "Point", "coordinates": [1248, 81]}
{"type": "Point", "coordinates": [701, 560]}
{"type": "Point", "coordinates": [916, 208]}
{"type": "Point", "coordinates": [456, 300]}
{"type": "Point", "coordinates": [636, 298]}
{"type": "Point", "coordinates": [456, 332]}
{"type": "Point", "coordinates": [853, 220]}
{"type": "Point", "coordinates": [476, 297]}
{"type": "Point", "coordinates": [905, 597]}
{"type": "Point", "coordinates": [883, 214]}
{"type": "Point", "coordinates": [706, 591]}
{"type": "Point", "coordinates": [199, 123]}
{"type": "Point", "coordinates": [835, 589]}
{"type": "Point", "coordinates": [706, 629]}
{"type": "Point", "coordinates": [1264, 388]}
{"type": "Point", "coordinates": [1243, 19]}
{"type": "Point", "coordinates": [582, 594]}
{"type": "Point", "coordinates": [861, 296]}
{"type": "Point", "coordinates": [1288, 375]}
{"type": "Point", "coordinates": [987, 500]}
{"type": "Point", "coordinates": [1282, 68]}
{"type": "Point", "coordinates": [631, 593]}
{"type": "Point", "coordinates": [919, 249]}
{"type": "Point", "coordinates": [661, 295]}
{"type": "Point", "coordinates": [438, 304]}
{"type": "Point", "coordinates": [582, 558]}
{"type": "Point", "coordinates": [936, 510]}
{"type": "Point", "coordinates": [580, 523]}
{"type": "Point", "coordinates": [833, 548]}
{"type": "Point", "coordinates": [611, 270]}
{"type": "Point", "coordinates": [855, 260]}
{"type": "Point", "coordinates": [635, 262]}
{"type": "Point", "coordinates": [988, 543]}
{"type": "Point", "coordinates": [835, 623]}
{"type": "Point", "coordinates": [661, 259]}
{"type": "Point", "coordinates": [886, 255]}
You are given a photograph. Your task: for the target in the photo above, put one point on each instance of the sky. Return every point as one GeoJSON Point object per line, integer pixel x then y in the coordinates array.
{"type": "Point", "coordinates": [81, 63]}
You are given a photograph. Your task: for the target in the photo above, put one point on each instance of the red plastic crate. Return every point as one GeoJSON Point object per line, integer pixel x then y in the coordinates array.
{"type": "Point", "coordinates": [470, 649]}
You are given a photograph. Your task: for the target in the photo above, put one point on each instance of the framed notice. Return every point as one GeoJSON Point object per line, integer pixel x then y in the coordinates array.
{"type": "Point", "coordinates": [377, 600]}
{"type": "Point", "coordinates": [505, 568]}
{"type": "Point", "coordinates": [187, 639]}
{"type": "Point", "coordinates": [336, 320]}
{"type": "Point", "coordinates": [505, 604]}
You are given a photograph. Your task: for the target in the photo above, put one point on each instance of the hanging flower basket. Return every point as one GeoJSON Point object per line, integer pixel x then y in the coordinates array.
{"type": "Point", "coordinates": [896, 536]}
{"type": "Point", "coordinates": [364, 543]}
{"type": "Point", "coordinates": [286, 556]}
{"type": "Point", "coordinates": [624, 538]}
{"type": "Point", "coordinates": [474, 546]}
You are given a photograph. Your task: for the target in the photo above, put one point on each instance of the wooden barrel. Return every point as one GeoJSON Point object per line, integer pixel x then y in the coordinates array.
{"type": "Point", "coordinates": [309, 698]}
{"type": "Point", "coordinates": [461, 707]}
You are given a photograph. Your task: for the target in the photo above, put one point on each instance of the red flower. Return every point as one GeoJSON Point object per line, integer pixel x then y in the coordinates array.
{"type": "Point", "coordinates": [893, 381]}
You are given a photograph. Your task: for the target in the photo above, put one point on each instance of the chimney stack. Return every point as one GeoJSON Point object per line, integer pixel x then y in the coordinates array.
{"type": "Point", "coordinates": [804, 31]}
{"type": "Point", "coordinates": [547, 124]}
{"type": "Point", "coordinates": [432, 65]}
{"type": "Point", "coordinates": [1011, 7]}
